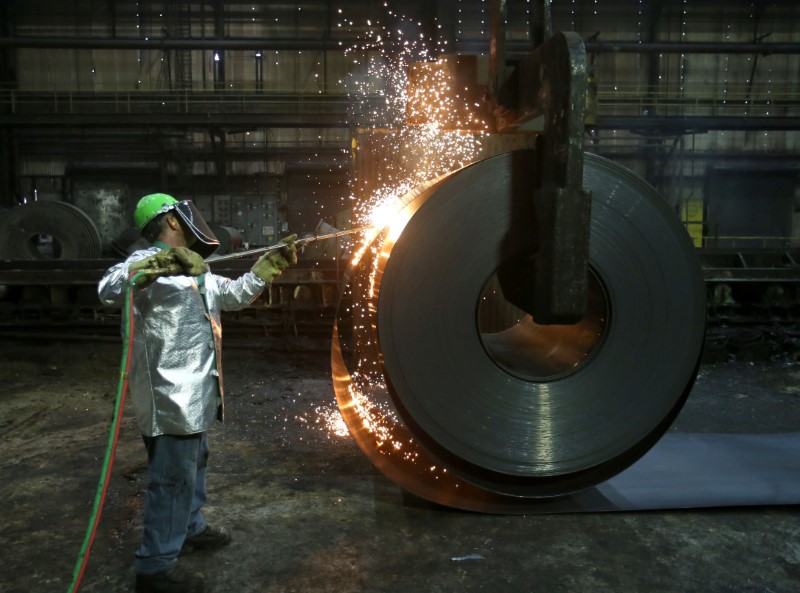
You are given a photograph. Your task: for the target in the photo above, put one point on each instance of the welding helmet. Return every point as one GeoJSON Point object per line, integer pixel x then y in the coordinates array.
{"type": "Point", "coordinates": [192, 221]}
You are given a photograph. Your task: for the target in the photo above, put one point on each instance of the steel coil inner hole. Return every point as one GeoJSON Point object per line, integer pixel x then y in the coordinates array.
{"type": "Point", "coordinates": [535, 352]}
{"type": "Point", "coordinates": [46, 246]}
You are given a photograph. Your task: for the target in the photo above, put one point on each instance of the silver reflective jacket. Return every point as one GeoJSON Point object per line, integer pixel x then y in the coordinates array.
{"type": "Point", "coordinates": [176, 373]}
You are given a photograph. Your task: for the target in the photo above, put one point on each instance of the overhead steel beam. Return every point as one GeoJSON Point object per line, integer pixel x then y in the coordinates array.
{"type": "Point", "coordinates": [695, 124]}
{"type": "Point", "coordinates": [518, 50]}
{"type": "Point", "coordinates": [178, 120]}
{"type": "Point", "coordinates": [295, 155]}
{"type": "Point", "coordinates": [787, 159]}
{"type": "Point", "coordinates": [514, 50]}
{"type": "Point", "coordinates": [80, 152]}
{"type": "Point", "coordinates": [160, 43]}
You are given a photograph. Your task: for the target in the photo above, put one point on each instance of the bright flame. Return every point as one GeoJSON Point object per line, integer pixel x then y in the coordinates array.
{"type": "Point", "coordinates": [384, 213]}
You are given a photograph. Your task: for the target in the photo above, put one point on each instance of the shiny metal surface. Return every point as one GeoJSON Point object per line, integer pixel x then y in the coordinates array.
{"type": "Point", "coordinates": [492, 415]}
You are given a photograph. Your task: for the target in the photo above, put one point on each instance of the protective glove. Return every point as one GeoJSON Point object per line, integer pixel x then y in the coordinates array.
{"type": "Point", "coordinates": [161, 264]}
{"type": "Point", "coordinates": [272, 263]}
{"type": "Point", "coordinates": [192, 262]}
{"type": "Point", "coordinates": [290, 251]}
{"type": "Point", "coordinates": [174, 261]}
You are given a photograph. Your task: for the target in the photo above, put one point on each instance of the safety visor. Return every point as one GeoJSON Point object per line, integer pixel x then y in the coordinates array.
{"type": "Point", "coordinates": [207, 243]}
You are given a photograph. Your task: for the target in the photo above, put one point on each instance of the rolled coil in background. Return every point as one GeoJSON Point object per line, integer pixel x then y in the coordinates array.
{"type": "Point", "coordinates": [230, 239]}
{"type": "Point", "coordinates": [74, 235]}
{"type": "Point", "coordinates": [495, 416]}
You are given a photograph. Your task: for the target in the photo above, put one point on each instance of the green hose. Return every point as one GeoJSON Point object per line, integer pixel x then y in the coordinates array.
{"type": "Point", "coordinates": [113, 436]}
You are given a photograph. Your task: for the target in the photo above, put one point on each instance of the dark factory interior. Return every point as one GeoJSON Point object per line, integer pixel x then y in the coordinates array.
{"type": "Point", "coordinates": [509, 290]}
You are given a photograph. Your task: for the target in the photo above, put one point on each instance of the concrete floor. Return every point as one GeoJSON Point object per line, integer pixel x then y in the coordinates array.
{"type": "Point", "coordinates": [309, 513]}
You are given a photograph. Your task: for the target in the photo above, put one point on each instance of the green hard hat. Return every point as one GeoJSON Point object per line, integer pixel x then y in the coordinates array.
{"type": "Point", "coordinates": [151, 206]}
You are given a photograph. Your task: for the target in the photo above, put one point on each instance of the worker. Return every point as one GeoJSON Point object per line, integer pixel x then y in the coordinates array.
{"type": "Point", "coordinates": [175, 377]}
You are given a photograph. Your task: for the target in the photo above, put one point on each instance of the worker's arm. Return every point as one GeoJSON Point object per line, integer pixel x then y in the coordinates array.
{"type": "Point", "coordinates": [239, 293]}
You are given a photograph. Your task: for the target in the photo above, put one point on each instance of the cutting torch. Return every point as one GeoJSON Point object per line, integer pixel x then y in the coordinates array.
{"type": "Point", "coordinates": [147, 275]}
{"type": "Point", "coordinates": [278, 246]}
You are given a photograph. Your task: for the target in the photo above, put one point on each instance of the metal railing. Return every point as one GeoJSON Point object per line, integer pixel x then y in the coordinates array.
{"type": "Point", "coordinates": [16, 101]}
{"type": "Point", "coordinates": [742, 241]}
{"type": "Point", "coordinates": [622, 99]}
{"type": "Point", "coordinates": [694, 100]}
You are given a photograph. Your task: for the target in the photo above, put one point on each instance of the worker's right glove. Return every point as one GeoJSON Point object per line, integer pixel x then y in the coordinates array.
{"type": "Point", "coordinates": [272, 263]}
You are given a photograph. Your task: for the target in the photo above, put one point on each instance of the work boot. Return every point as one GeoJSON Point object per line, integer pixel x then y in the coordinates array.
{"type": "Point", "coordinates": [208, 539]}
{"type": "Point", "coordinates": [174, 580]}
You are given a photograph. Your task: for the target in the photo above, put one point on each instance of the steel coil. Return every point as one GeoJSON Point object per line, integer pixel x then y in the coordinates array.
{"type": "Point", "coordinates": [70, 233]}
{"type": "Point", "coordinates": [463, 400]}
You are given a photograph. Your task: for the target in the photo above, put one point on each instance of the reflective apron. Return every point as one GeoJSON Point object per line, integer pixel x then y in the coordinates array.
{"type": "Point", "coordinates": [175, 381]}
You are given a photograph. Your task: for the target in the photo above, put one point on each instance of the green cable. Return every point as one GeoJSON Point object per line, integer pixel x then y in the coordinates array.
{"type": "Point", "coordinates": [113, 435]}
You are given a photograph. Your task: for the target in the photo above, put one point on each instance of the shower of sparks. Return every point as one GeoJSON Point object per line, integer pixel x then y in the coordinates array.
{"type": "Point", "coordinates": [374, 420]}
{"type": "Point", "coordinates": [378, 421]}
{"type": "Point", "coordinates": [414, 121]}
{"type": "Point", "coordinates": [326, 419]}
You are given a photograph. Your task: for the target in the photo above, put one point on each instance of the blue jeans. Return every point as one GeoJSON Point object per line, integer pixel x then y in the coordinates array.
{"type": "Point", "coordinates": [174, 498]}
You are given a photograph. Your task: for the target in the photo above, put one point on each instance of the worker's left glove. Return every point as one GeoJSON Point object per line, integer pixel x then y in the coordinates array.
{"type": "Point", "coordinates": [160, 264]}
{"type": "Point", "coordinates": [175, 261]}
{"type": "Point", "coordinates": [272, 263]}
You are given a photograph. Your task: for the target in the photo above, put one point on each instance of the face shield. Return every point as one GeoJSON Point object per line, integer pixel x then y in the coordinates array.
{"type": "Point", "coordinates": [194, 224]}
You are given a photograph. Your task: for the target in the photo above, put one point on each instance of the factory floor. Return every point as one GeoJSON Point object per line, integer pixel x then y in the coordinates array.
{"type": "Point", "coordinates": [310, 514]}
